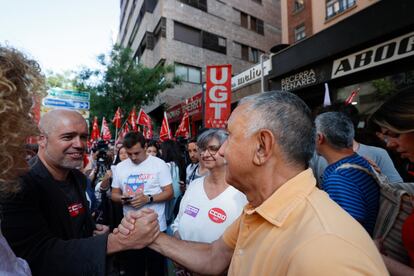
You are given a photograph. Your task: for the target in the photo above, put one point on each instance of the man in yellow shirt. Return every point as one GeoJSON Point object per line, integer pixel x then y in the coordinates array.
{"type": "Point", "coordinates": [289, 227]}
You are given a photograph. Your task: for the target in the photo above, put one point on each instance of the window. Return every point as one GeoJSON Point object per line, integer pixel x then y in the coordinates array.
{"type": "Point", "coordinates": [244, 20]}
{"type": "Point", "coordinates": [256, 25]}
{"type": "Point", "coordinates": [334, 7]}
{"type": "Point", "coordinates": [254, 55]}
{"type": "Point", "coordinates": [245, 52]}
{"type": "Point", "coordinates": [198, 4]}
{"type": "Point", "coordinates": [214, 42]}
{"type": "Point", "coordinates": [188, 73]}
{"type": "Point", "coordinates": [298, 5]}
{"type": "Point", "coordinates": [196, 37]}
{"type": "Point", "coordinates": [187, 34]}
{"type": "Point", "coordinates": [300, 32]}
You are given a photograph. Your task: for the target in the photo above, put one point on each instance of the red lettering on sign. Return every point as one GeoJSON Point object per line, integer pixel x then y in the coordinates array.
{"type": "Point", "coordinates": [218, 96]}
{"type": "Point", "coordinates": [217, 215]}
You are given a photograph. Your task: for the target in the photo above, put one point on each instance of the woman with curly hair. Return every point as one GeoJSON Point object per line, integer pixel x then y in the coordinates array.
{"type": "Point", "coordinates": [20, 80]}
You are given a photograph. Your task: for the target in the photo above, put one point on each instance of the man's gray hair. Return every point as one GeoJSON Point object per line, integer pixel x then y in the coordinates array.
{"type": "Point", "coordinates": [337, 128]}
{"type": "Point", "coordinates": [288, 118]}
{"type": "Point", "coordinates": [205, 137]}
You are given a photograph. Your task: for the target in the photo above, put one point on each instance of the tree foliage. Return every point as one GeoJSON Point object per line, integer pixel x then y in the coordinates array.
{"type": "Point", "coordinates": [62, 80]}
{"type": "Point", "coordinates": [122, 83]}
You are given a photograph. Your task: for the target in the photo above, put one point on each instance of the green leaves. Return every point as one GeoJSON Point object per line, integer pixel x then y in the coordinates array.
{"type": "Point", "coordinates": [122, 82]}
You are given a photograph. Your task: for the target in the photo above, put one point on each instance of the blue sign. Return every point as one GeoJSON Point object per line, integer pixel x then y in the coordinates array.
{"type": "Point", "coordinates": [66, 103]}
{"type": "Point", "coordinates": [69, 94]}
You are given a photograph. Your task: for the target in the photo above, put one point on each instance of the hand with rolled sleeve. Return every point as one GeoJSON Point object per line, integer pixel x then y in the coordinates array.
{"type": "Point", "coordinates": [143, 233]}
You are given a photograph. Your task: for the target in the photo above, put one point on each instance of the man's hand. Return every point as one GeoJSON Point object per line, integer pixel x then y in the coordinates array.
{"type": "Point", "coordinates": [100, 229]}
{"type": "Point", "coordinates": [182, 186]}
{"type": "Point", "coordinates": [139, 200]}
{"type": "Point", "coordinates": [143, 229]}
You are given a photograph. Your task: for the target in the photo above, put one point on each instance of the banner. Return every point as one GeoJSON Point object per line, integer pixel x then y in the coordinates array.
{"type": "Point", "coordinates": [117, 118]}
{"type": "Point", "coordinates": [165, 133]}
{"type": "Point", "coordinates": [95, 133]}
{"type": "Point", "coordinates": [132, 119]}
{"type": "Point", "coordinates": [217, 96]}
{"type": "Point", "coordinates": [183, 129]}
{"type": "Point", "coordinates": [143, 118]}
{"type": "Point", "coordinates": [105, 132]}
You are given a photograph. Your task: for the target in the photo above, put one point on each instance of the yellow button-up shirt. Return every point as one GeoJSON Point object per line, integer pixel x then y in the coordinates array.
{"type": "Point", "coordinates": [299, 230]}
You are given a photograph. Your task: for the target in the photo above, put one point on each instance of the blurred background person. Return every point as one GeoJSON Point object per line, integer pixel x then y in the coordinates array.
{"type": "Point", "coordinates": [172, 155]}
{"type": "Point", "coordinates": [153, 148]}
{"type": "Point", "coordinates": [196, 168]}
{"type": "Point", "coordinates": [210, 204]}
{"type": "Point", "coordinates": [20, 81]}
{"type": "Point", "coordinates": [396, 121]}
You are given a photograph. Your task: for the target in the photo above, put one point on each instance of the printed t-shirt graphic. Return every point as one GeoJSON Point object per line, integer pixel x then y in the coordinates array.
{"type": "Point", "coordinates": [135, 183]}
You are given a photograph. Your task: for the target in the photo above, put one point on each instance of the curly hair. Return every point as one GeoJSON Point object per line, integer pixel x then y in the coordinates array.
{"type": "Point", "coordinates": [20, 81]}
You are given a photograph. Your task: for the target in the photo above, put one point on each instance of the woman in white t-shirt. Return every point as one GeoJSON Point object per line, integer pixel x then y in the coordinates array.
{"type": "Point", "coordinates": [210, 204]}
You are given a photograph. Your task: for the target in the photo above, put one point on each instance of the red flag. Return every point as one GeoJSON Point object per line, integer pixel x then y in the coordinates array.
{"type": "Point", "coordinates": [117, 118]}
{"type": "Point", "coordinates": [105, 132]}
{"type": "Point", "coordinates": [132, 119]}
{"type": "Point", "coordinates": [143, 118]}
{"type": "Point", "coordinates": [351, 97]}
{"type": "Point", "coordinates": [95, 130]}
{"type": "Point", "coordinates": [148, 132]}
{"type": "Point", "coordinates": [122, 133]}
{"type": "Point", "coordinates": [165, 133]}
{"type": "Point", "coordinates": [184, 127]}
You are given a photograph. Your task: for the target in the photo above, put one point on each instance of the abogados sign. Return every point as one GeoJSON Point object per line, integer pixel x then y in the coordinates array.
{"type": "Point", "coordinates": [218, 96]}
{"type": "Point", "coordinates": [394, 49]}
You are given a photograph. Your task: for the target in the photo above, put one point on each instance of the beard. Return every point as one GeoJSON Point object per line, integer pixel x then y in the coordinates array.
{"type": "Point", "coordinates": [65, 162]}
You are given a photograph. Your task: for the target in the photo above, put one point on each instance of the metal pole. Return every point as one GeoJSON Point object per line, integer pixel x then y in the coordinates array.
{"type": "Point", "coordinates": [262, 74]}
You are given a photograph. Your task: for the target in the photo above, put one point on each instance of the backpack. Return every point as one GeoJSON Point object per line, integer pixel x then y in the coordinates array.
{"type": "Point", "coordinates": [395, 205]}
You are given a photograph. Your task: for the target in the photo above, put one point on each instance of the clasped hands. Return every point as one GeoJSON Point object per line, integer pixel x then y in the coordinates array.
{"type": "Point", "coordinates": [138, 229]}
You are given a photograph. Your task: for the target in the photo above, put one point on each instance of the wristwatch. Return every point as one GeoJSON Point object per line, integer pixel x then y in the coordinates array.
{"type": "Point", "coordinates": [151, 199]}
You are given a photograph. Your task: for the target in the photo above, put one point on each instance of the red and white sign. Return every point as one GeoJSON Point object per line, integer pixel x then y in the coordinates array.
{"type": "Point", "coordinates": [218, 96]}
{"type": "Point", "coordinates": [76, 209]}
{"type": "Point", "coordinates": [217, 215]}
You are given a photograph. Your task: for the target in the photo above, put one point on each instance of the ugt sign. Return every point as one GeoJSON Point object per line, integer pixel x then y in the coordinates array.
{"type": "Point", "coordinates": [218, 96]}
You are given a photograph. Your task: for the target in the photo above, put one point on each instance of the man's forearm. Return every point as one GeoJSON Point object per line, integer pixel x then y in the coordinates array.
{"type": "Point", "coordinates": [197, 257]}
{"type": "Point", "coordinates": [163, 196]}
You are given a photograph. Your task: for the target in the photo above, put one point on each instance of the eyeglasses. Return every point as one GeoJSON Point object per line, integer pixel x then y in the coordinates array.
{"type": "Point", "coordinates": [211, 149]}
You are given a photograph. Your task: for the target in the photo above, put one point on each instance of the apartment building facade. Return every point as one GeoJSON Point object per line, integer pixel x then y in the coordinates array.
{"type": "Point", "coordinates": [191, 34]}
{"type": "Point", "coordinates": [303, 18]}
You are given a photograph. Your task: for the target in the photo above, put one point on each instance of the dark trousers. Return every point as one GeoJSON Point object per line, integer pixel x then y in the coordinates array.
{"type": "Point", "coordinates": [139, 261]}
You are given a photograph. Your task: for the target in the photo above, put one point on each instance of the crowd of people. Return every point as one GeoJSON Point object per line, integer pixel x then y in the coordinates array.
{"type": "Point", "coordinates": [270, 195]}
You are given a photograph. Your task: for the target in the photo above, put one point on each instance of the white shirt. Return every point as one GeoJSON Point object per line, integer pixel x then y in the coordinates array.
{"type": "Point", "coordinates": [147, 177]}
{"type": "Point", "coordinates": [203, 220]}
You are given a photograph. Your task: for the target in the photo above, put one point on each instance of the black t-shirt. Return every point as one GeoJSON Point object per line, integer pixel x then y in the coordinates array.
{"type": "Point", "coordinates": [76, 209]}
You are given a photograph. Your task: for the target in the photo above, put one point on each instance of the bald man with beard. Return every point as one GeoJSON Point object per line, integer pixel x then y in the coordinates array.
{"type": "Point", "coordinates": [48, 222]}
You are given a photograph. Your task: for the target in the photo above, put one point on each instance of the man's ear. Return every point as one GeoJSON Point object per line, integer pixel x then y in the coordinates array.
{"type": "Point", "coordinates": [320, 138]}
{"type": "Point", "coordinates": [264, 146]}
{"type": "Point", "coordinates": [41, 141]}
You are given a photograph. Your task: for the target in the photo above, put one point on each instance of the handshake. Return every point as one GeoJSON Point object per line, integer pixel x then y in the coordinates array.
{"type": "Point", "coordinates": [137, 230]}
